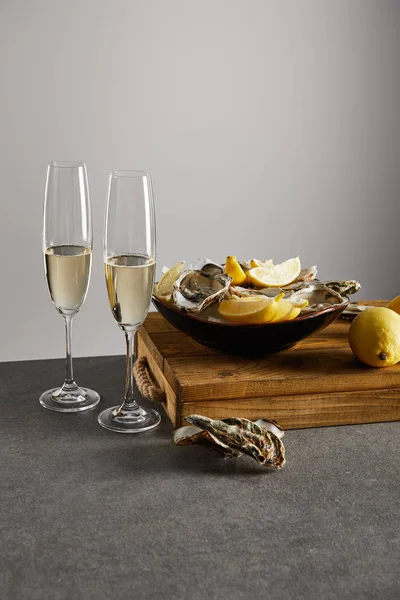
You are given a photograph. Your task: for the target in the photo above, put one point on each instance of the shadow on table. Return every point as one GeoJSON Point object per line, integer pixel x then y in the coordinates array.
{"type": "Point", "coordinates": [161, 457]}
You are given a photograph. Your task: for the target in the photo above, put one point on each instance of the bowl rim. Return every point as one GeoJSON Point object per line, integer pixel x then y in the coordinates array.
{"type": "Point", "coordinates": [328, 309]}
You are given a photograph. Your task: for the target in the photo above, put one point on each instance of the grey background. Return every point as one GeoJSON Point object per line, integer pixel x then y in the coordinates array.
{"type": "Point", "coordinates": [270, 128]}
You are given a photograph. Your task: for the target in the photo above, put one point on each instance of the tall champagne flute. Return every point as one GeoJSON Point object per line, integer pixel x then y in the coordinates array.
{"type": "Point", "coordinates": [129, 267]}
{"type": "Point", "coordinates": [67, 251]}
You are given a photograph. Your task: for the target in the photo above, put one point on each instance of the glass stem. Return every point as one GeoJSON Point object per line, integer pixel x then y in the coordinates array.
{"type": "Point", "coordinates": [69, 373]}
{"type": "Point", "coordinates": [129, 402]}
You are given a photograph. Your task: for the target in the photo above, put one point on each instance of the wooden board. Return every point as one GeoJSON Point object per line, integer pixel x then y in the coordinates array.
{"type": "Point", "coordinates": [317, 383]}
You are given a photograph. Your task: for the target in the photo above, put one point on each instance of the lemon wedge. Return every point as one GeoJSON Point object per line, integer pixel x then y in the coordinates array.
{"type": "Point", "coordinates": [296, 310]}
{"type": "Point", "coordinates": [287, 310]}
{"type": "Point", "coordinates": [233, 269]}
{"type": "Point", "coordinates": [293, 313]}
{"type": "Point", "coordinates": [249, 310]}
{"type": "Point", "coordinates": [300, 302]}
{"type": "Point", "coordinates": [283, 310]}
{"type": "Point", "coordinates": [275, 275]}
{"type": "Point", "coordinates": [254, 263]}
{"type": "Point", "coordinates": [243, 310]}
{"type": "Point", "coordinates": [165, 286]}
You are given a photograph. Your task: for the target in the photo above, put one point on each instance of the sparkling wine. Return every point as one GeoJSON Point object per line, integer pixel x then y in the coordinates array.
{"type": "Point", "coordinates": [130, 281]}
{"type": "Point", "coordinates": [67, 271]}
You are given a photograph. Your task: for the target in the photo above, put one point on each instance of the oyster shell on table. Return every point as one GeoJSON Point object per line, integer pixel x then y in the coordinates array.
{"type": "Point", "coordinates": [200, 287]}
{"type": "Point", "coordinates": [190, 434]}
{"type": "Point", "coordinates": [233, 437]}
{"type": "Point", "coordinates": [353, 310]}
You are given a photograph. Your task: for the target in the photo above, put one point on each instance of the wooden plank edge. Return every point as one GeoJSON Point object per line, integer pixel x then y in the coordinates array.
{"type": "Point", "coordinates": [284, 387]}
{"type": "Point", "coordinates": [151, 347]}
{"type": "Point", "coordinates": [298, 412]}
{"type": "Point", "coordinates": [147, 340]}
{"type": "Point", "coordinates": [172, 403]}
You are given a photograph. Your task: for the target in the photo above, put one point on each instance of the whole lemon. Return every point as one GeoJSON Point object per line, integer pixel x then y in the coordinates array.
{"type": "Point", "coordinates": [374, 337]}
{"type": "Point", "coordinates": [395, 304]}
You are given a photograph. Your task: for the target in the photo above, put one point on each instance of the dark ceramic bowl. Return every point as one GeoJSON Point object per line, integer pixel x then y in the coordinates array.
{"type": "Point", "coordinates": [249, 340]}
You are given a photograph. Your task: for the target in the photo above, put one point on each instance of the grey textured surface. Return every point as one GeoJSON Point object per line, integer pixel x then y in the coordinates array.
{"type": "Point", "coordinates": [89, 514]}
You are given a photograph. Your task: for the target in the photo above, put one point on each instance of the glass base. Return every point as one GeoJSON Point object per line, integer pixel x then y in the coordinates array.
{"type": "Point", "coordinates": [129, 421]}
{"type": "Point", "coordinates": [69, 401]}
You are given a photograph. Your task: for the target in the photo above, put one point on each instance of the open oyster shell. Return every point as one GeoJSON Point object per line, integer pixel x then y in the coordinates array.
{"type": "Point", "coordinates": [319, 294]}
{"type": "Point", "coordinates": [233, 437]}
{"type": "Point", "coordinates": [190, 434]}
{"type": "Point", "coordinates": [344, 288]}
{"type": "Point", "coordinates": [307, 274]}
{"type": "Point", "coordinates": [242, 292]}
{"type": "Point", "coordinates": [207, 266]}
{"type": "Point", "coordinates": [353, 310]}
{"type": "Point", "coordinates": [197, 289]}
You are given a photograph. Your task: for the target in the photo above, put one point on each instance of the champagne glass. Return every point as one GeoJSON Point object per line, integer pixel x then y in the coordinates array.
{"type": "Point", "coordinates": [67, 250]}
{"type": "Point", "coordinates": [129, 267]}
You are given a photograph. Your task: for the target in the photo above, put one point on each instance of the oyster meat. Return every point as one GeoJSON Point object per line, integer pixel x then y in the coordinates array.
{"type": "Point", "coordinates": [344, 288]}
{"type": "Point", "coordinates": [233, 437]}
{"type": "Point", "coordinates": [201, 287]}
{"type": "Point", "coordinates": [242, 292]}
{"type": "Point", "coordinates": [318, 295]}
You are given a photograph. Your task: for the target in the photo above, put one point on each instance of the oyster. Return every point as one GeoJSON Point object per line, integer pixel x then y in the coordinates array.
{"type": "Point", "coordinates": [319, 296]}
{"type": "Point", "coordinates": [190, 434]}
{"type": "Point", "coordinates": [307, 274]}
{"type": "Point", "coordinates": [243, 292]}
{"type": "Point", "coordinates": [207, 266]}
{"type": "Point", "coordinates": [344, 288]}
{"type": "Point", "coordinates": [353, 310]}
{"type": "Point", "coordinates": [234, 437]}
{"type": "Point", "coordinates": [245, 264]}
{"type": "Point", "coordinates": [197, 289]}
